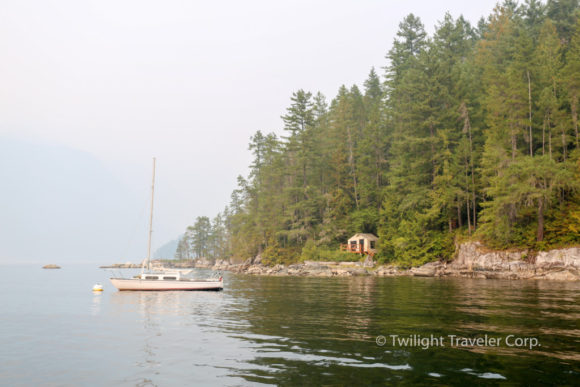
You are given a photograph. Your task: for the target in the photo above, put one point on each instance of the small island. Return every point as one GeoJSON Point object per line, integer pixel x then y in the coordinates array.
{"type": "Point", "coordinates": [51, 266]}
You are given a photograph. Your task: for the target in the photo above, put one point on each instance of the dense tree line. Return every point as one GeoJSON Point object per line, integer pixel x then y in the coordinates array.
{"type": "Point", "coordinates": [470, 133]}
{"type": "Point", "coordinates": [205, 239]}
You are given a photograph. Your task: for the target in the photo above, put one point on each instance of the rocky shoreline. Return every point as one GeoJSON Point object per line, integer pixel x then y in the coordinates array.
{"type": "Point", "coordinates": [472, 260]}
{"type": "Point", "coordinates": [185, 264]}
{"type": "Point", "coordinates": [122, 266]}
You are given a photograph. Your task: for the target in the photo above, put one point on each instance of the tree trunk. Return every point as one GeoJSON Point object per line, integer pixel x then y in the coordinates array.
{"type": "Point", "coordinates": [550, 142]}
{"type": "Point", "coordinates": [472, 177]}
{"type": "Point", "coordinates": [514, 146]}
{"type": "Point", "coordinates": [467, 199]}
{"type": "Point", "coordinates": [574, 108]}
{"type": "Point", "coordinates": [468, 215]}
{"type": "Point", "coordinates": [474, 211]}
{"type": "Point", "coordinates": [468, 124]}
{"type": "Point", "coordinates": [514, 141]}
{"type": "Point", "coordinates": [540, 236]}
{"type": "Point", "coordinates": [530, 112]}
{"type": "Point", "coordinates": [549, 127]}
{"type": "Point", "coordinates": [378, 158]}
{"type": "Point", "coordinates": [564, 148]}
{"type": "Point", "coordinates": [544, 138]}
{"type": "Point", "coordinates": [351, 162]}
{"type": "Point", "coordinates": [549, 138]}
{"type": "Point", "coordinates": [431, 135]}
{"type": "Point", "coordinates": [459, 221]}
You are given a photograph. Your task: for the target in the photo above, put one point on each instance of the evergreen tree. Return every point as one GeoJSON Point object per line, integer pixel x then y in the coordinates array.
{"type": "Point", "coordinates": [564, 14]}
{"type": "Point", "coordinates": [529, 182]}
{"type": "Point", "coordinates": [571, 78]}
{"type": "Point", "coordinates": [548, 56]}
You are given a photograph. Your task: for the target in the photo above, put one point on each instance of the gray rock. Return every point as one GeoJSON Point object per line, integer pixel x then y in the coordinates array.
{"type": "Point", "coordinates": [369, 262]}
{"type": "Point", "coordinates": [349, 263]}
{"type": "Point", "coordinates": [473, 260]}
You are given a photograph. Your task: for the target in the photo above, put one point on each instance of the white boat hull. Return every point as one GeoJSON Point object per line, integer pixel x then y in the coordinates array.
{"type": "Point", "coordinates": [159, 285]}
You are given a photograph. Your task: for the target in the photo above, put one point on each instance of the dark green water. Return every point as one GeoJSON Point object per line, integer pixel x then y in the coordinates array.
{"type": "Point", "coordinates": [324, 330]}
{"type": "Point", "coordinates": [284, 331]}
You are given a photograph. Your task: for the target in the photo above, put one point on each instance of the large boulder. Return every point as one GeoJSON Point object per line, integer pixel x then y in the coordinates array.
{"type": "Point", "coordinates": [475, 260]}
{"type": "Point", "coordinates": [430, 269]}
{"type": "Point", "coordinates": [369, 262]}
{"type": "Point", "coordinates": [569, 258]}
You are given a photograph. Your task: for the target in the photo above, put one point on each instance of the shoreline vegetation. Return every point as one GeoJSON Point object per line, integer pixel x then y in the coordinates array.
{"type": "Point", "coordinates": [473, 260]}
{"type": "Point", "coordinates": [471, 133]}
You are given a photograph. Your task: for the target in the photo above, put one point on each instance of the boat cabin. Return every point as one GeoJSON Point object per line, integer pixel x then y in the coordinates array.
{"type": "Point", "coordinates": [361, 244]}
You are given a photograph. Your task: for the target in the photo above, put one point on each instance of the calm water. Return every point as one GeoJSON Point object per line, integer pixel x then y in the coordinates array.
{"type": "Point", "coordinates": [289, 331]}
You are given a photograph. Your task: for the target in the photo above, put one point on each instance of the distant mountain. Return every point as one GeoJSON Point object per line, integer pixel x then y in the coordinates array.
{"type": "Point", "coordinates": [167, 251]}
{"type": "Point", "coordinates": [60, 204]}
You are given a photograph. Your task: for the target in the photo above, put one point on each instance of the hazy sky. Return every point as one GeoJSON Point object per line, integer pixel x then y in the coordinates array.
{"type": "Point", "coordinates": [186, 81]}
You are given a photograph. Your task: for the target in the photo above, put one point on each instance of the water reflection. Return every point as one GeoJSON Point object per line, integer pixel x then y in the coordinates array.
{"type": "Point", "coordinates": [182, 332]}
{"type": "Point", "coordinates": [322, 330]}
{"type": "Point", "coordinates": [316, 327]}
{"type": "Point", "coordinates": [96, 304]}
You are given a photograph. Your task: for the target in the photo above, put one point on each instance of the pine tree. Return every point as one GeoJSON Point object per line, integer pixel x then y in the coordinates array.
{"type": "Point", "coordinates": [563, 13]}
{"type": "Point", "coordinates": [548, 57]}
{"type": "Point", "coordinates": [529, 182]}
{"type": "Point", "coordinates": [571, 78]}
{"type": "Point", "coordinates": [373, 144]}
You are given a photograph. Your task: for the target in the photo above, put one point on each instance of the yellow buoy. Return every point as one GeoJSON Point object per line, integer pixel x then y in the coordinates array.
{"type": "Point", "coordinates": [98, 288]}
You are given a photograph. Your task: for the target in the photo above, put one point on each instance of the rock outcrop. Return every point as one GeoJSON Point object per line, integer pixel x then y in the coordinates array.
{"type": "Point", "coordinates": [308, 268]}
{"type": "Point", "coordinates": [51, 266]}
{"type": "Point", "coordinates": [127, 265]}
{"type": "Point", "coordinates": [203, 263]}
{"type": "Point", "coordinates": [473, 260]}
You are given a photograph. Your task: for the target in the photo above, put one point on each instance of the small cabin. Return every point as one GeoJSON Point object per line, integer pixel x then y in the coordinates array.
{"type": "Point", "coordinates": [361, 244]}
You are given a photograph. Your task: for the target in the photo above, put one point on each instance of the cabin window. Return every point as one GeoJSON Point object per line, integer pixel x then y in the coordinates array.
{"type": "Point", "coordinates": [170, 278]}
{"type": "Point", "coordinates": [372, 244]}
{"type": "Point", "coordinates": [151, 277]}
{"type": "Point", "coordinates": [353, 243]}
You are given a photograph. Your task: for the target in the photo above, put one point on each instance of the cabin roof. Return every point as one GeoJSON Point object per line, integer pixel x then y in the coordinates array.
{"type": "Point", "coordinates": [370, 237]}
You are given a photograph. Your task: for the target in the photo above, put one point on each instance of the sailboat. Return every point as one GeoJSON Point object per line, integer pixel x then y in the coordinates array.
{"type": "Point", "coordinates": [163, 279]}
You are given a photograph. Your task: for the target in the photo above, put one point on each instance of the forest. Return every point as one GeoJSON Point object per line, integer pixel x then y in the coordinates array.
{"type": "Point", "coordinates": [468, 134]}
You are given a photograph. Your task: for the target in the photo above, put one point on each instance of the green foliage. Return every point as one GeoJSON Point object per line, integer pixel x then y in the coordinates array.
{"type": "Point", "coordinates": [471, 133]}
{"type": "Point", "coordinates": [275, 254]}
{"type": "Point", "coordinates": [524, 190]}
{"type": "Point", "coordinates": [563, 224]}
{"type": "Point", "coordinates": [205, 239]}
{"type": "Point", "coordinates": [310, 252]}
{"type": "Point", "coordinates": [364, 220]}
{"type": "Point", "coordinates": [415, 245]}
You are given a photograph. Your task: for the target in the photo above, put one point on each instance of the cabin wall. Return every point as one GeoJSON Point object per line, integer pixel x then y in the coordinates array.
{"type": "Point", "coordinates": [366, 244]}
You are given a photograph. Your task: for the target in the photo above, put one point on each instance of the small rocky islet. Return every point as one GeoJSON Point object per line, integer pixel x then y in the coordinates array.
{"type": "Point", "coordinates": [51, 266]}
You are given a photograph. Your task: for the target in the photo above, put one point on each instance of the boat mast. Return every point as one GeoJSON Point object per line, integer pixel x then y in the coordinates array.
{"type": "Point", "coordinates": [151, 219]}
